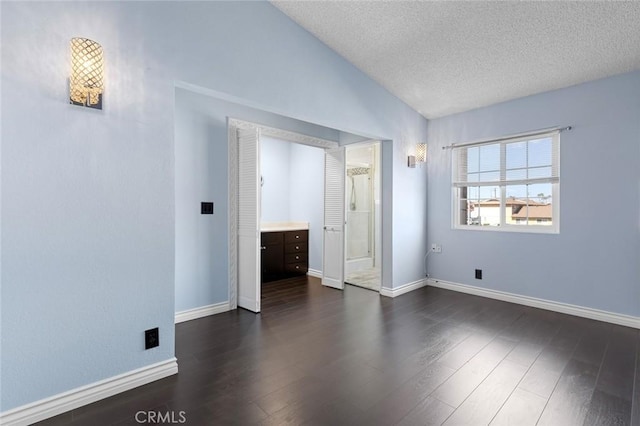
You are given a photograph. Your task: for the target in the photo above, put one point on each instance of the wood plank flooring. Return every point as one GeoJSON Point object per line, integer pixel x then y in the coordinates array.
{"type": "Point", "coordinates": [318, 356]}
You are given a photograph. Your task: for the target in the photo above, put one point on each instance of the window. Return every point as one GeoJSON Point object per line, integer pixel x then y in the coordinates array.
{"type": "Point", "coordinates": [508, 184]}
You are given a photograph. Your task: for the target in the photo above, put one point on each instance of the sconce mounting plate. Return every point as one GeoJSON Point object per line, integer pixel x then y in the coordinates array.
{"type": "Point", "coordinates": [94, 106]}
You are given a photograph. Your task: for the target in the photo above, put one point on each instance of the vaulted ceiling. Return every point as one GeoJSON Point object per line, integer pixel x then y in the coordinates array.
{"type": "Point", "coordinates": [443, 57]}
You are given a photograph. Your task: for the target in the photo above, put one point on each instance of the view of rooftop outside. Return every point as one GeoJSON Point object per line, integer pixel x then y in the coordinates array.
{"type": "Point", "coordinates": [529, 211]}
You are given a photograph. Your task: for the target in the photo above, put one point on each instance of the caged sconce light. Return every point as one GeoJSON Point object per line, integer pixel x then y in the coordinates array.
{"type": "Point", "coordinates": [420, 157]}
{"type": "Point", "coordinates": [421, 153]}
{"type": "Point", "coordinates": [86, 83]}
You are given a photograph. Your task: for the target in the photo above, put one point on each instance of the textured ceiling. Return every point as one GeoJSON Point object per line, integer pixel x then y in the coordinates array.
{"type": "Point", "coordinates": [444, 57]}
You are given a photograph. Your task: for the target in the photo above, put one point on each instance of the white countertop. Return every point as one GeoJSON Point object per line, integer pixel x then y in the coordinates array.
{"type": "Point", "coordinates": [283, 226]}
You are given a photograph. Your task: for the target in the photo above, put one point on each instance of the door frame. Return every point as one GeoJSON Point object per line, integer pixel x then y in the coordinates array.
{"type": "Point", "coordinates": [233, 124]}
{"type": "Point", "coordinates": [377, 251]}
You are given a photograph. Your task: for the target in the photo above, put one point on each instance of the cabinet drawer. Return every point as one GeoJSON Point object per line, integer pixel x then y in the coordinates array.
{"type": "Point", "coordinates": [295, 248]}
{"type": "Point", "coordinates": [295, 258]}
{"type": "Point", "coordinates": [296, 268]}
{"type": "Point", "coordinates": [269, 238]}
{"type": "Point", "coordinates": [295, 236]}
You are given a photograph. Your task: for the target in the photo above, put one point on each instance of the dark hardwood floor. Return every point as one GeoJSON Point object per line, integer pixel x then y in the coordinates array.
{"type": "Point", "coordinates": [320, 356]}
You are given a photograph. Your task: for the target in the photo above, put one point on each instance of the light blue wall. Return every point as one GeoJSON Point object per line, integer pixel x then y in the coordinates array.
{"type": "Point", "coordinates": [87, 207]}
{"type": "Point", "coordinates": [201, 264]}
{"type": "Point", "coordinates": [275, 168]}
{"type": "Point", "coordinates": [88, 197]}
{"type": "Point", "coordinates": [307, 196]}
{"type": "Point", "coordinates": [594, 261]}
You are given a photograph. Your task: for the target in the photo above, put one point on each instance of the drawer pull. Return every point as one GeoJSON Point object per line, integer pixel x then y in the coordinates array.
{"type": "Point", "coordinates": [297, 247]}
{"type": "Point", "coordinates": [297, 257]}
{"type": "Point", "coordinates": [263, 248]}
{"type": "Point", "coordinates": [297, 236]}
{"type": "Point", "coordinates": [297, 266]}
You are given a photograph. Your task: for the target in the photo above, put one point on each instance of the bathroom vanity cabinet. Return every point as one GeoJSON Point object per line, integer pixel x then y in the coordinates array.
{"type": "Point", "coordinates": [284, 254]}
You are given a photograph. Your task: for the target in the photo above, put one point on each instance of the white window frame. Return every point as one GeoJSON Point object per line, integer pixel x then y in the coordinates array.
{"type": "Point", "coordinates": [554, 228]}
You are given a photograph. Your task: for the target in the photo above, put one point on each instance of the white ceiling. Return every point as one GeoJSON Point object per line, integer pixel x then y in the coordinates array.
{"type": "Point", "coordinates": [443, 57]}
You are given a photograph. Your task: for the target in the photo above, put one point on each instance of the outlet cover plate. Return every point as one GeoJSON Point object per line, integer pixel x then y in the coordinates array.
{"type": "Point", "coordinates": [206, 207]}
{"type": "Point", "coordinates": [151, 338]}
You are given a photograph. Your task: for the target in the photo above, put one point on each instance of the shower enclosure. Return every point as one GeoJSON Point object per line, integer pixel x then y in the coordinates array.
{"type": "Point", "coordinates": [359, 215]}
{"type": "Point", "coordinates": [362, 203]}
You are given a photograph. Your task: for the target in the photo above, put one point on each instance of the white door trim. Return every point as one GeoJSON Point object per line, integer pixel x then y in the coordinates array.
{"type": "Point", "coordinates": [232, 211]}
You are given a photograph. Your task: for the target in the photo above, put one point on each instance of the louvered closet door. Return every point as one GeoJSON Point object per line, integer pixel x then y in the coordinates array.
{"type": "Point", "coordinates": [249, 219]}
{"type": "Point", "coordinates": [333, 247]}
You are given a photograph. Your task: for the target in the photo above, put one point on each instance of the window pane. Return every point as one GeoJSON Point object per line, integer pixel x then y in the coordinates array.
{"type": "Point", "coordinates": [489, 176]}
{"type": "Point", "coordinates": [473, 159]}
{"type": "Point", "coordinates": [490, 157]}
{"type": "Point", "coordinates": [473, 192]}
{"type": "Point", "coordinates": [488, 213]}
{"type": "Point", "coordinates": [517, 192]}
{"type": "Point", "coordinates": [471, 205]}
{"type": "Point", "coordinates": [540, 192]}
{"type": "Point", "coordinates": [529, 204]}
{"type": "Point", "coordinates": [545, 216]}
{"type": "Point", "coordinates": [519, 174]}
{"type": "Point", "coordinates": [516, 155]}
{"type": "Point", "coordinates": [474, 213]}
{"type": "Point", "coordinates": [489, 192]}
{"type": "Point", "coordinates": [540, 152]}
{"type": "Point", "coordinates": [464, 206]}
{"type": "Point", "coordinates": [539, 172]}
{"type": "Point", "coordinates": [515, 204]}
{"type": "Point", "coordinates": [538, 214]}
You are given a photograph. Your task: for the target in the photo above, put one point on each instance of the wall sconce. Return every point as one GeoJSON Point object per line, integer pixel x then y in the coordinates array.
{"type": "Point", "coordinates": [421, 153]}
{"type": "Point", "coordinates": [420, 157]}
{"type": "Point", "coordinates": [86, 82]}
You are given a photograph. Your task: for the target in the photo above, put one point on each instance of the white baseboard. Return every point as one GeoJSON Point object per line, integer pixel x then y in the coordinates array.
{"type": "Point", "coordinates": [314, 273]}
{"type": "Point", "coordinates": [66, 401]}
{"type": "Point", "coordinates": [406, 288]}
{"type": "Point", "coordinates": [203, 311]}
{"type": "Point", "coordinates": [549, 305]}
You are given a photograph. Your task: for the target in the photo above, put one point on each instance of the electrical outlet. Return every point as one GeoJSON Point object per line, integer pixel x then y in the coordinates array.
{"type": "Point", "coordinates": [478, 274]}
{"type": "Point", "coordinates": [206, 207]}
{"type": "Point", "coordinates": [438, 248]}
{"type": "Point", "coordinates": [151, 338]}
{"type": "Point", "coordinates": [433, 247]}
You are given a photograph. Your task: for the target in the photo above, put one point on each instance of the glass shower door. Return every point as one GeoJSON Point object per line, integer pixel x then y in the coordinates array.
{"type": "Point", "coordinates": [359, 213]}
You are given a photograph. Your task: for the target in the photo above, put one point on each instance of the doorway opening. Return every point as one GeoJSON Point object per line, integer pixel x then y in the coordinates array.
{"type": "Point", "coordinates": [363, 207]}
{"type": "Point", "coordinates": [245, 192]}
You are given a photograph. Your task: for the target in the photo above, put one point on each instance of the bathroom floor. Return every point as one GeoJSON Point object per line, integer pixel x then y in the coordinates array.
{"type": "Point", "coordinates": [366, 278]}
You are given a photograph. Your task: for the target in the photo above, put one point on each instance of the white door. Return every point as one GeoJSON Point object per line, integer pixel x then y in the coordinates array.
{"type": "Point", "coordinates": [333, 247]}
{"type": "Point", "coordinates": [249, 219]}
